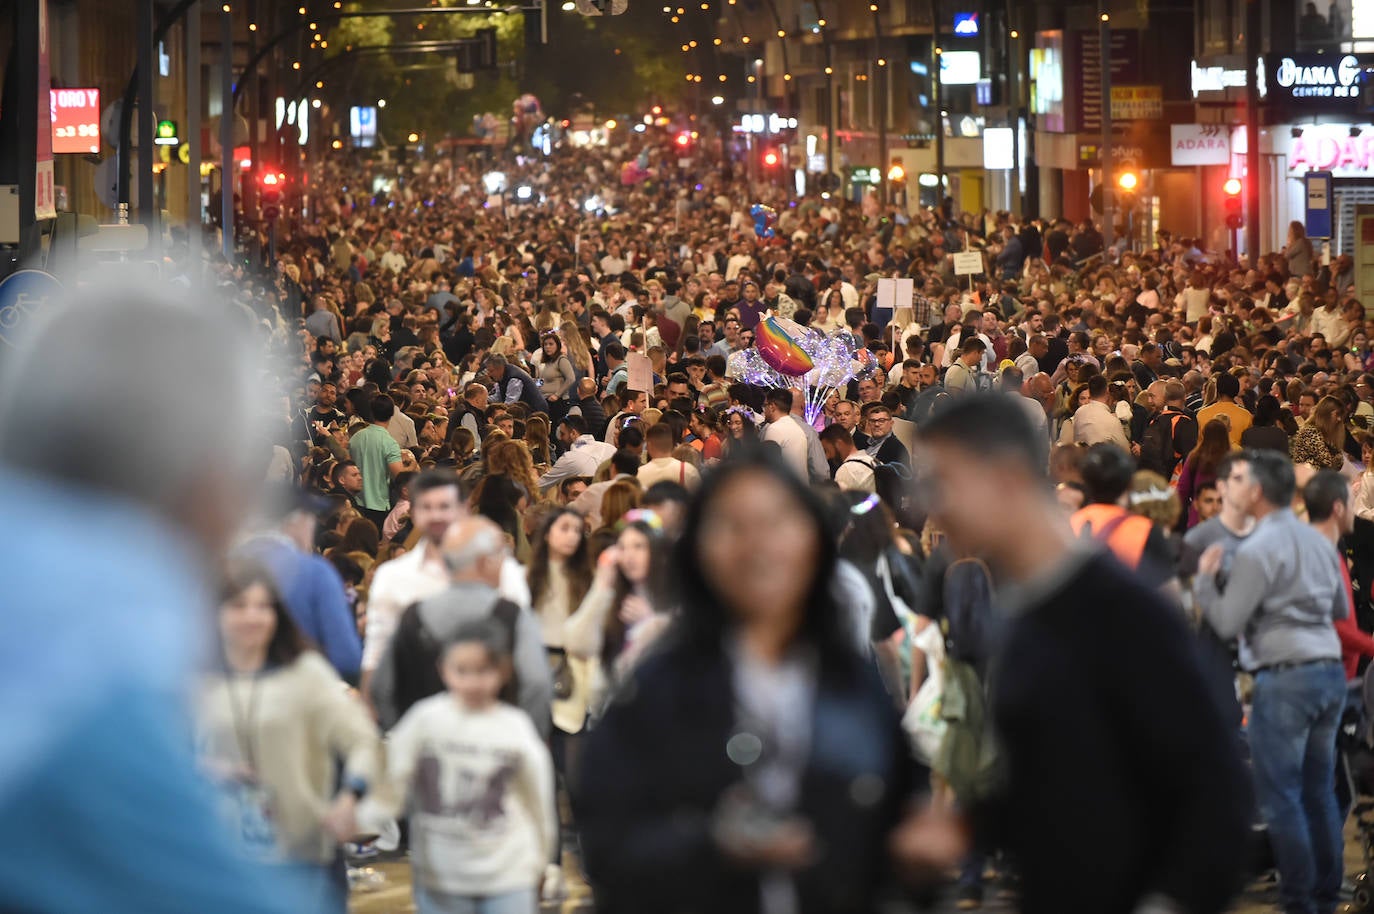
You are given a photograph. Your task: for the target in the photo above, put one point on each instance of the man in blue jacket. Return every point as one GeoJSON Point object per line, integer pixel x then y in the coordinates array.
{"type": "Point", "coordinates": [130, 479]}
{"type": "Point", "coordinates": [513, 385]}
{"type": "Point", "coordinates": [310, 585]}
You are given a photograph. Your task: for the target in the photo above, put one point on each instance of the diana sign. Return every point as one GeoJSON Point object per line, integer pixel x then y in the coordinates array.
{"type": "Point", "coordinates": [1319, 80]}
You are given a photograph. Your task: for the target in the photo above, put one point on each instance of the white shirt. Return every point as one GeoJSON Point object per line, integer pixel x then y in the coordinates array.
{"type": "Point", "coordinates": [394, 261]}
{"type": "Point", "coordinates": [856, 473]}
{"type": "Point", "coordinates": [584, 458]}
{"type": "Point", "coordinates": [411, 578]}
{"type": "Point", "coordinates": [792, 440]}
{"type": "Point", "coordinates": [849, 295]}
{"type": "Point", "coordinates": [483, 820]}
{"type": "Point", "coordinates": [669, 469]}
{"type": "Point", "coordinates": [736, 263]}
{"type": "Point", "coordinates": [402, 428]}
{"type": "Point", "coordinates": [588, 504]}
{"type": "Point", "coordinates": [1095, 423]}
{"type": "Point", "coordinates": [1036, 413]}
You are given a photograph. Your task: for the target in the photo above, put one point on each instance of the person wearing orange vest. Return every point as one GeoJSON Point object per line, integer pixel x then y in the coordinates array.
{"type": "Point", "coordinates": [1134, 540]}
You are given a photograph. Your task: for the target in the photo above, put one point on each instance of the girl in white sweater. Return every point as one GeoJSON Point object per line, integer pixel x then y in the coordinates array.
{"type": "Point", "coordinates": [273, 719]}
{"type": "Point", "coordinates": [480, 786]}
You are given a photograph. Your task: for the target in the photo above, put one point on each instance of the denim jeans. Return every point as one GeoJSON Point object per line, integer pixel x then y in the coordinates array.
{"type": "Point", "coordinates": [522, 901]}
{"type": "Point", "coordinates": [1293, 745]}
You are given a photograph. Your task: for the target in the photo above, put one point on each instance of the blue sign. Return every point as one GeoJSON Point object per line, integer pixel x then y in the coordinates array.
{"type": "Point", "coordinates": [22, 295]}
{"type": "Point", "coordinates": [966, 25]}
{"type": "Point", "coordinates": [1317, 184]}
{"type": "Point", "coordinates": [362, 125]}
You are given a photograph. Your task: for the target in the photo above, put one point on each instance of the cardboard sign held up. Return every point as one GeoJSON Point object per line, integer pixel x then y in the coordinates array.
{"type": "Point", "coordinates": [887, 295]}
{"type": "Point", "coordinates": [968, 263]}
{"type": "Point", "coordinates": [640, 373]}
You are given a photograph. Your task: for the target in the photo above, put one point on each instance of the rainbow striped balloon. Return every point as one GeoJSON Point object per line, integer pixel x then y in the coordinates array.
{"type": "Point", "coordinates": [779, 349]}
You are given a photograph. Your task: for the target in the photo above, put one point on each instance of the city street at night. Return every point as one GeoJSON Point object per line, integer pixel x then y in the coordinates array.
{"type": "Point", "coordinates": [743, 456]}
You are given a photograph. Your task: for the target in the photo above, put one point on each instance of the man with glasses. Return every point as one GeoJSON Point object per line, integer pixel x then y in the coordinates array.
{"type": "Point", "coordinates": [1283, 592]}
{"type": "Point", "coordinates": [878, 441]}
{"type": "Point", "coordinates": [1364, 389]}
{"type": "Point", "coordinates": [732, 341]}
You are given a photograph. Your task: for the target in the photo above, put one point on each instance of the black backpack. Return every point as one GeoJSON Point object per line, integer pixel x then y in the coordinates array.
{"type": "Point", "coordinates": [970, 619]}
{"type": "Point", "coordinates": [892, 483]}
{"type": "Point", "coordinates": [1158, 451]}
{"type": "Point", "coordinates": [417, 650]}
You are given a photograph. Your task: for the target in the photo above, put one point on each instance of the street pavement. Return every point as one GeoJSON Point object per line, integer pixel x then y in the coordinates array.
{"type": "Point", "coordinates": [393, 897]}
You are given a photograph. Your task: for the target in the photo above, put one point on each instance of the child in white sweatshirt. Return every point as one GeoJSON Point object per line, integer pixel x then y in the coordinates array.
{"type": "Point", "coordinates": [480, 786]}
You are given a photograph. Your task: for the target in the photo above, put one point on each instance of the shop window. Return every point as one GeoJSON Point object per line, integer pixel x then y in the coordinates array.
{"type": "Point", "coordinates": [1222, 25]}
{"type": "Point", "coordinates": [1333, 23]}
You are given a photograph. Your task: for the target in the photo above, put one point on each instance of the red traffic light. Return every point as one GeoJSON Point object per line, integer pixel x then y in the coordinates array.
{"type": "Point", "coordinates": [272, 183]}
{"type": "Point", "coordinates": [1235, 212]}
{"type": "Point", "coordinates": [771, 158]}
{"type": "Point", "coordinates": [684, 139]}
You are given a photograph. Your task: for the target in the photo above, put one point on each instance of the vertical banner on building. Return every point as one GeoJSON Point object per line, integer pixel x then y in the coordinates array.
{"type": "Point", "coordinates": [45, 189]}
{"type": "Point", "coordinates": [1318, 196]}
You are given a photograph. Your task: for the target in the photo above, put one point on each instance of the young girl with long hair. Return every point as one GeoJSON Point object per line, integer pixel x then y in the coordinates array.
{"type": "Point", "coordinates": [624, 609]}
{"type": "Point", "coordinates": [560, 574]}
{"type": "Point", "coordinates": [274, 719]}
{"type": "Point", "coordinates": [1200, 466]}
{"type": "Point", "coordinates": [480, 785]}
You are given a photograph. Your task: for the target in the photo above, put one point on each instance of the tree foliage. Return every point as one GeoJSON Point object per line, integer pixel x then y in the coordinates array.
{"type": "Point", "coordinates": [616, 65]}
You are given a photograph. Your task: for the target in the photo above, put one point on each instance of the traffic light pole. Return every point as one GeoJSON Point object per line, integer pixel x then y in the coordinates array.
{"type": "Point", "coordinates": [226, 137]}
{"type": "Point", "coordinates": [195, 236]}
{"type": "Point", "coordinates": [1104, 33]}
{"type": "Point", "coordinates": [937, 96]}
{"type": "Point", "coordinates": [1252, 115]}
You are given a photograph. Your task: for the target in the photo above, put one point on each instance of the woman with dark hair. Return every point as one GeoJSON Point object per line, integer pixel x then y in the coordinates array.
{"type": "Point", "coordinates": [1200, 466]}
{"type": "Point", "coordinates": [740, 431]}
{"type": "Point", "coordinates": [625, 608]}
{"type": "Point", "coordinates": [868, 542]}
{"type": "Point", "coordinates": [274, 721]}
{"type": "Point", "coordinates": [560, 574]}
{"type": "Point", "coordinates": [502, 500]}
{"type": "Point", "coordinates": [361, 535]}
{"type": "Point", "coordinates": [1266, 433]}
{"type": "Point", "coordinates": [755, 762]}
{"type": "Point", "coordinates": [554, 372]}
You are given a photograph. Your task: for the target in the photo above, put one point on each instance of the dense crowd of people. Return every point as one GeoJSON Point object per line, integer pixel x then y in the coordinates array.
{"type": "Point", "coordinates": [540, 578]}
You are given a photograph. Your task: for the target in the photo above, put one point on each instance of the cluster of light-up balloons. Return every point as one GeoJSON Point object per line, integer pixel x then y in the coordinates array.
{"type": "Point", "coordinates": [786, 354]}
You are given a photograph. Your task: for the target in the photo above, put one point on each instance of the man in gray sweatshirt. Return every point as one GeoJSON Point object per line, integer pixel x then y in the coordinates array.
{"type": "Point", "coordinates": [1283, 591]}
{"type": "Point", "coordinates": [474, 550]}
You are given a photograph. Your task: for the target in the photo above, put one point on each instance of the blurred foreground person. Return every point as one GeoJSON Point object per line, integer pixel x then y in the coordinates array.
{"type": "Point", "coordinates": [1115, 759]}
{"type": "Point", "coordinates": [128, 453]}
{"type": "Point", "coordinates": [753, 761]}
{"type": "Point", "coordinates": [275, 719]}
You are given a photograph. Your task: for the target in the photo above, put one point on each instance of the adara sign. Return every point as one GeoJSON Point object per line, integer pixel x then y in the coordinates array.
{"type": "Point", "coordinates": [1330, 147]}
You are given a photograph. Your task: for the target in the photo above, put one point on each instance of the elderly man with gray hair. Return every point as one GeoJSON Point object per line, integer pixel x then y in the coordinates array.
{"type": "Point", "coordinates": [474, 551]}
{"type": "Point", "coordinates": [131, 448]}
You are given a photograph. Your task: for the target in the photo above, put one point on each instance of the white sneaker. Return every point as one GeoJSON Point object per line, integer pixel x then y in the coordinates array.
{"type": "Point", "coordinates": [554, 887]}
